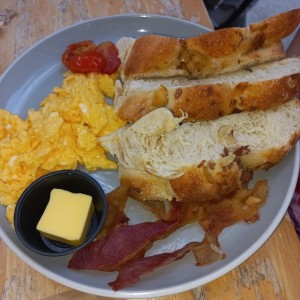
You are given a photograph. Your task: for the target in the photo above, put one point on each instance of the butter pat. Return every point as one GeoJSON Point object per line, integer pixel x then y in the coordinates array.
{"type": "Point", "coordinates": [67, 217]}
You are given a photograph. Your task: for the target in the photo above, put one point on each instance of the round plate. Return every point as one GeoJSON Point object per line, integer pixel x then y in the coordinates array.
{"type": "Point", "coordinates": [32, 77]}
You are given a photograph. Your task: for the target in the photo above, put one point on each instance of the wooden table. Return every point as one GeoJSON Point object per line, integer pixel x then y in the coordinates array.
{"type": "Point", "coordinates": [273, 272]}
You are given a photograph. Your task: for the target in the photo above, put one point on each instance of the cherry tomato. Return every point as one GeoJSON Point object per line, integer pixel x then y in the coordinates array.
{"type": "Point", "coordinates": [110, 52]}
{"type": "Point", "coordinates": [75, 49]}
{"type": "Point", "coordinates": [85, 57]}
{"type": "Point", "coordinates": [86, 62]}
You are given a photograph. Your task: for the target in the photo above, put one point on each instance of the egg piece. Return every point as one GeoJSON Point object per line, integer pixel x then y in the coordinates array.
{"type": "Point", "coordinates": [10, 125]}
{"type": "Point", "coordinates": [9, 213]}
{"type": "Point", "coordinates": [61, 134]}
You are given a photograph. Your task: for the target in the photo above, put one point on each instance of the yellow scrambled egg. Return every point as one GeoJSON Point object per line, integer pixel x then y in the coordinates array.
{"type": "Point", "coordinates": [60, 135]}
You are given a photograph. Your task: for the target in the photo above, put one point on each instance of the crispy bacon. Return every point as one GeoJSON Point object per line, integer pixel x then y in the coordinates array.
{"type": "Point", "coordinates": [87, 258]}
{"type": "Point", "coordinates": [124, 247]}
{"type": "Point", "coordinates": [208, 251]}
{"type": "Point", "coordinates": [242, 206]}
{"type": "Point", "coordinates": [160, 209]}
{"type": "Point", "coordinates": [132, 271]}
{"type": "Point", "coordinates": [124, 244]}
{"type": "Point", "coordinates": [116, 201]}
{"type": "Point", "coordinates": [214, 216]}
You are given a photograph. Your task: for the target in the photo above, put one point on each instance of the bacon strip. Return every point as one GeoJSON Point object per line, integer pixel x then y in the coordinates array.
{"type": "Point", "coordinates": [243, 205]}
{"type": "Point", "coordinates": [116, 201]}
{"type": "Point", "coordinates": [132, 271]}
{"type": "Point", "coordinates": [87, 257]}
{"type": "Point", "coordinates": [124, 244]}
{"type": "Point", "coordinates": [123, 248]}
{"type": "Point", "coordinates": [208, 251]}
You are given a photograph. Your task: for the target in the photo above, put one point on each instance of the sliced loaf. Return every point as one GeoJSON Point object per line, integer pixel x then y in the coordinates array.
{"type": "Point", "coordinates": [209, 54]}
{"type": "Point", "coordinates": [160, 159]}
{"type": "Point", "coordinates": [257, 88]}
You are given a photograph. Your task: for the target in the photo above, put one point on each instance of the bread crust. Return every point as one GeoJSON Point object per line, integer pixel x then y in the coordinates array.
{"type": "Point", "coordinates": [278, 26]}
{"type": "Point", "coordinates": [197, 184]}
{"type": "Point", "coordinates": [150, 51]}
{"type": "Point", "coordinates": [135, 106]}
{"type": "Point", "coordinates": [211, 101]}
{"type": "Point", "coordinates": [208, 102]}
{"type": "Point", "coordinates": [267, 159]}
{"type": "Point", "coordinates": [203, 183]}
{"type": "Point", "coordinates": [199, 179]}
{"type": "Point", "coordinates": [217, 52]}
{"type": "Point", "coordinates": [144, 186]}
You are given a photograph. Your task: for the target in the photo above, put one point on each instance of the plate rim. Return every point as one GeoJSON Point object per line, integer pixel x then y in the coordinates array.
{"type": "Point", "coordinates": [80, 23]}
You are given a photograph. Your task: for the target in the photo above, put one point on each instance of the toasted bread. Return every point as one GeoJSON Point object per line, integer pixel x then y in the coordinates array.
{"type": "Point", "coordinates": [258, 88]}
{"type": "Point", "coordinates": [213, 53]}
{"type": "Point", "coordinates": [159, 159]}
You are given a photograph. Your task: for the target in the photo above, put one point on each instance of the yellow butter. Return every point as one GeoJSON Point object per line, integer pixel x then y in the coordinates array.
{"type": "Point", "coordinates": [67, 217]}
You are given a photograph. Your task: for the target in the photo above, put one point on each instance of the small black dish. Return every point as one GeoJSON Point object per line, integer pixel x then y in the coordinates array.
{"type": "Point", "coordinates": [34, 200]}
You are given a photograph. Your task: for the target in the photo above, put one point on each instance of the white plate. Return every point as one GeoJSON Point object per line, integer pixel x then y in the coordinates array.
{"type": "Point", "coordinates": [31, 77]}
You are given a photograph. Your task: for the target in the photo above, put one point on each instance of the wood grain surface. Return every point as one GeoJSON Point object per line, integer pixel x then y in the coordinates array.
{"type": "Point", "coordinates": [273, 272]}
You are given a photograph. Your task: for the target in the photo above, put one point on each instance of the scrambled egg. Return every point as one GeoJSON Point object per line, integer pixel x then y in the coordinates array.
{"type": "Point", "coordinates": [60, 135]}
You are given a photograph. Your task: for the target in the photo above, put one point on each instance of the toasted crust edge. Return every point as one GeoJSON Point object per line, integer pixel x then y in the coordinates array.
{"type": "Point", "coordinates": [268, 158]}
{"type": "Point", "coordinates": [196, 184]}
{"type": "Point", "coordinates": [211, 101]}
{"type": "Point", "coordinates": [208, 102]}
{"type": "Point", "coordinates": [202, 183]}
{"type": "Point", "coordinates": [212, 53]}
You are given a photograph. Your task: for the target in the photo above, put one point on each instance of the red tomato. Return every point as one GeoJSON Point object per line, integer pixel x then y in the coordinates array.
{"type": "Point", "coordinates": [75, 49]}
{"type": "Point", "coordinates": [110, 52]}
{"type": "Point", "coordinates": [86, 62]}
{"type": "Point", "coordinates": [85, 57]}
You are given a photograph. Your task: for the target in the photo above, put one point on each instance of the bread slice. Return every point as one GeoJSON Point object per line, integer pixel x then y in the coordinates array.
{"type": "Point", "coordinates": [258, 88]}
{"type": "Point", "coordinates": [160, 159]}
{"type": "Point", "coordinates": [222, 51]}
